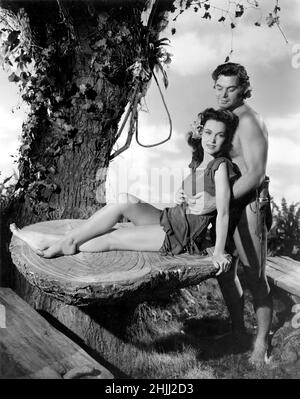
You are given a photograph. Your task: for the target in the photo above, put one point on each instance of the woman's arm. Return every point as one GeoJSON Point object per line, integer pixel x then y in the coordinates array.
{"type": "Point", "coordinates": [220, 259]}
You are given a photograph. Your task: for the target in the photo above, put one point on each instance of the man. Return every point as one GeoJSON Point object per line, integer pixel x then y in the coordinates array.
{"type": "Point", "coordinates": [249, 152]}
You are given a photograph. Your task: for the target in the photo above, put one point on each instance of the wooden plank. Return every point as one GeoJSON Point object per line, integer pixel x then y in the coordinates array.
{"type": "Point", "coordinates": [286, 282]}
{"type": "Point", "coordinates": [281, 275]}
{"type": "Point", "coordinates": [284, 273]}
{"type": "Point", "coordinates": [31, 348]}
{"type": "Point", "coordinates": [286, 265]}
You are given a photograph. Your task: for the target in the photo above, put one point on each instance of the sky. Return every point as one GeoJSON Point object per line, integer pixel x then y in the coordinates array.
{"type": "Point", "coordinates": [197, 47]}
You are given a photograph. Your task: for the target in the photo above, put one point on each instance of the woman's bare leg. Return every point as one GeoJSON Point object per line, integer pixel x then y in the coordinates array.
{"type": "Point", "coordinates": [37, 241]}
{"type": "Point", "coordinates": [139, 212]}
{"type": "Point", "coordinates": [135, 238]}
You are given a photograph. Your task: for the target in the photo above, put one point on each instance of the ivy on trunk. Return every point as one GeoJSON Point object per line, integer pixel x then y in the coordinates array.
{"type": "Point", "coordinates": [76, 71]}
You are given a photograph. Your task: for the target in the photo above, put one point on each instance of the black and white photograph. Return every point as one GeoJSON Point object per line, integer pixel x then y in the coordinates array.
{"type": "Point", "coordinates": [149, 192]}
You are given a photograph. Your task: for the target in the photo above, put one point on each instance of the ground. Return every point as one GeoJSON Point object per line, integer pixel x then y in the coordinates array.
{"type": "Point", "coordinates": [177, 339]}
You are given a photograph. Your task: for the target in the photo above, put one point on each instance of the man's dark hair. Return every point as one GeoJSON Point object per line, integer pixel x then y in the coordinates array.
{"type": "Point", "coordinates": [233, 69]}
{"type": "Point", "coordinates": [231, 122]}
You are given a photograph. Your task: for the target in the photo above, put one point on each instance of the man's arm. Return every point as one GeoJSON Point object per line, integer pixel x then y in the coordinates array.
{"type": "Point", "coordinates": [254, 148]}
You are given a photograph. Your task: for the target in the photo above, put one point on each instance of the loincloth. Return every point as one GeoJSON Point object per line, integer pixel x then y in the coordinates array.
{"type": "Point", "coordinates": [259, 201]}
{"type": "Point", "coordinates": [184, 232]}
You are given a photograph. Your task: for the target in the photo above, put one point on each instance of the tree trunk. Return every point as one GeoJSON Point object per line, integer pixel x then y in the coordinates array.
{"type": "Point", "coordinates": [83, 52]}
{"type": "Point", "coordinates": [82, 82]}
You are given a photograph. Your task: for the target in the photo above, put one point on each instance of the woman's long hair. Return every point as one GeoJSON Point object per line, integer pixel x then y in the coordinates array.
{"type": "Point", "coordinates": [194, 137]}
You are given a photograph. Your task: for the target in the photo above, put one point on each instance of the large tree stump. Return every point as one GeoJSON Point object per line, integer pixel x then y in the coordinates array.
{"type": "Point", "coordinates": [111, 285]}
{"type": "Point", "coordinates": [95, 278]}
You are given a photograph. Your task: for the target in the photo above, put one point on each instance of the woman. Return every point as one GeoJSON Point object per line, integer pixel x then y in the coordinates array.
{"type": "Point", "coordinates": [173, 230]}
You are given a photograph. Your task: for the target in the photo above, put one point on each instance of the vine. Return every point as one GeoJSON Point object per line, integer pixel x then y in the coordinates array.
{"type": "Point", "coordinates": [231, 14]}
{"type": "Point", "coordinates": [38, 70]}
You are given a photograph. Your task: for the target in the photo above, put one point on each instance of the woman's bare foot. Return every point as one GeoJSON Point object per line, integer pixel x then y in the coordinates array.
{"type": "Point", "coordinates": [37, 241]}
{"type": "Point", "coordinates": [65, 246]}
{"type": "Point", "coordinates": [259, 354]}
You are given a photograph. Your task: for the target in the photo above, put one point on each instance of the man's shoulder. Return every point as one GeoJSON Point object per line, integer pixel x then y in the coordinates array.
{"type": "Point", "coordinates": [247, 113]}
{"type": "Point", "coordinates": [249, 117]}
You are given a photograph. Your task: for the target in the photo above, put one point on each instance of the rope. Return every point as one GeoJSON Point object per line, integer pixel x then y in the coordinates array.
{"type": "Point", "coordinates": [132, 109]}
{"type": "Point", "coordinates": [169, 117]}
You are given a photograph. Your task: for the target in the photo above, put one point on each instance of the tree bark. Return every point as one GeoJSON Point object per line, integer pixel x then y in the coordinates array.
{"type": "Point", "coordinates": [83, 51]}
{"type": "Point", "coordinates": [82, 95]}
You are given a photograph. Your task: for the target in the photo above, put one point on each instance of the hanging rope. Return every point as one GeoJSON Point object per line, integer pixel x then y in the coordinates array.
{"type": "Point", "coordinates": [129, 112]}
{"type": "Point", "coordinates": [133, 111]}
{"type": "Point", "coordinates": [169, 117]}
{"type": "Point", "coordinates": [134, 102]}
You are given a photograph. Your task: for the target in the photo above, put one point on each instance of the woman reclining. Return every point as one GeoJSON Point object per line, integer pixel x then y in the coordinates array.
{"type": "Point", "coordinates": [203, 199]}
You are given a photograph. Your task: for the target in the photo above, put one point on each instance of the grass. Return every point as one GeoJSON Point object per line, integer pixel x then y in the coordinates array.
{"type": "Point", "coordinates": [176, 339]}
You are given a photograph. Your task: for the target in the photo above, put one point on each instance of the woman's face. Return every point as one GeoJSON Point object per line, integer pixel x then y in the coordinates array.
{"type": "Point", "coordinates": [213, 137]}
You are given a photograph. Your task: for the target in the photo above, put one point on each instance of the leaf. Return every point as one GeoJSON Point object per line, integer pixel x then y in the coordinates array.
{"type": "Point", "coordinates": [100, 43]}
{"type": "Point", "coordinates": [8, 61]}
{"type": "Point", "coordinates": [206, 6]}
{"type": "Point", "coordinates": [270, 20]}
{"type": "Point", "coordinates": [52, 170]}
{"type": "Point", "coordinates": [162, 42]}
{"type": "Point", "coordinates": [222, 19]}
{"type": "Point", "coordinates": [173, 31]}
{"type": "Point", "coordinates": [13, 78]}
{"type": "Point", "coordinates": [24, 76]}
{"type": "Point", "coordinates": [13, 38]}
{"type": "Point", "coordinates": [239, 10]}
{"type": "Point", "coordinates": [188, 4]}
{"type": "Point", "coordinates": [68, 127]}
{"type": "Point", "coordinates": [257, 24]}
{"type": "Point", "coordinates": [7, 179]}
{"type": "Point", "coordinates": [227, 59]}
{"type": "Point", "coordinates": [207, 15]}
{"type": "Point", "coordinates": [232, 25]}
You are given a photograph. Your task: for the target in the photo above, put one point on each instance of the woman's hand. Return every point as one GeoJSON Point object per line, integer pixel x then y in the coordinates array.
{"type": "Point", "coordinates": [180, 197]}
{"type": "Point", "coordinates": [222, 262]}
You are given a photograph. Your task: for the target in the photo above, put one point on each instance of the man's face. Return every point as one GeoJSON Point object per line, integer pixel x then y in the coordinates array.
{"type": "Point", "coordinates": [228, 92]}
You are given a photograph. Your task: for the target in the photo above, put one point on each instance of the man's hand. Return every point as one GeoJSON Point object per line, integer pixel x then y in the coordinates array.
{"type": "Point", "coordinates": [222, 262]}
{"type": "Point", "coordinates": [180, 197]}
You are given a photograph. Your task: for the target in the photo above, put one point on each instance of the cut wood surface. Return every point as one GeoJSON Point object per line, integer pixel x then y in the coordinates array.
{"type": "Point", "coordinates": [87, 278]}
{"type": "Point", "coordinates": [284, 273]}
{"type": "Point", "coordinates": [31, 348]}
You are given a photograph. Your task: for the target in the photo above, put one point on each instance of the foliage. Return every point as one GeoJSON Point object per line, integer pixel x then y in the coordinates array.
{"type": "Point", "coordinates": [284, 236]}
{"type": "Point", "coordinates": [7, 191]}
{"type": "Point", "coordinates": [43, 72]}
